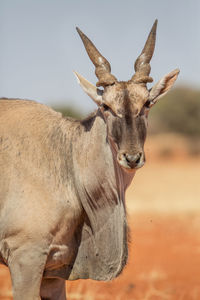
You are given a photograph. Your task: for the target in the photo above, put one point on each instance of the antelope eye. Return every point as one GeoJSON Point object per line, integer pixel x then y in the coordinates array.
{"type": "Point", "coordinates": [147, 104]}
{"type": "Point", "coordinates": [108, 108]}
{"type": "Point", "coordinates": [105, 107]}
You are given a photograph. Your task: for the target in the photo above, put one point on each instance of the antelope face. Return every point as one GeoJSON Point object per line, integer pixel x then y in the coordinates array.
{"type": "Point", "coordinates": [125, 105]}
{"type": "Point", "coordinates": [125, 112]}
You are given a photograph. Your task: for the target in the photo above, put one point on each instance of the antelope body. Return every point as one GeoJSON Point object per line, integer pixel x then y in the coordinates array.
{"type": "Point", "coordinates": [63, 181]}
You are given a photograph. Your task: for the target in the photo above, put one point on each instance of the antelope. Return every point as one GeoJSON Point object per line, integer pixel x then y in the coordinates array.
{"type": "Point", "coordinates": [63, 181]}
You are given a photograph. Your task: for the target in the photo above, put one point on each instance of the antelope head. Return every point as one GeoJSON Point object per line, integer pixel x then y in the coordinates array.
{"type": "Point", "coordinates": [125, 104]}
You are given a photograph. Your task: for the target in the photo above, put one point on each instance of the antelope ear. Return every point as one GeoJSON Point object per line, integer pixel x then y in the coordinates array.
{"type": "Point", "coordinates": [90, 89]}
{"type": "Point", "coordinates": [163, 86]}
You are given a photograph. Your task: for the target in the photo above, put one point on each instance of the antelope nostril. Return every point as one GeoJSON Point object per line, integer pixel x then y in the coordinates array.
{"type": "Point", "coordinates": [137, 161]}
{"type": "Point", "coordinates": [133, 158]}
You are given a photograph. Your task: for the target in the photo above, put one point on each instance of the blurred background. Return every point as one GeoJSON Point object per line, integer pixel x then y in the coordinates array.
{"type": "Point", "coordinates": [39, 50]}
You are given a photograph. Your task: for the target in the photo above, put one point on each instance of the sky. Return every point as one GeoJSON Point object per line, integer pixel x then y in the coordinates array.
{"type": "Point", "coordinates": [40, 47]}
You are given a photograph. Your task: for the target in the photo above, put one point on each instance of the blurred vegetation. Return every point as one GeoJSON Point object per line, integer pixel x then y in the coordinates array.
{"type": "Point", "coordinates": [177, 112]}
{"type": "Point", "coordinates": [69, 112]}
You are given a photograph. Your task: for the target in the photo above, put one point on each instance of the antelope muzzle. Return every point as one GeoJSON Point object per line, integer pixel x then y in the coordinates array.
{"type": "Point", "coordinates": [131, 161]}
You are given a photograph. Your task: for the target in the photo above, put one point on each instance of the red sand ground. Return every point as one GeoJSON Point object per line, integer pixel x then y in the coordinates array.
{"type": "Point", "coordinates": [164, 218]}
{"type": "Point", "coordinates": [164, 263]}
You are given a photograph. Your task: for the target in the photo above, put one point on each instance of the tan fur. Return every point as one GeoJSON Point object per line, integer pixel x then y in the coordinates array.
{"type": "Point", "coordinates": [63, 182]}
{"type": "Point", "coordinates": [47, 165]}
{"type": "Point", "coordinates": [114, 96]}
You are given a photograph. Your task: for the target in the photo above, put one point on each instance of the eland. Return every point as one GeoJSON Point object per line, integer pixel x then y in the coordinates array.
{"type": "Point", "coordinates": [63, 181]}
